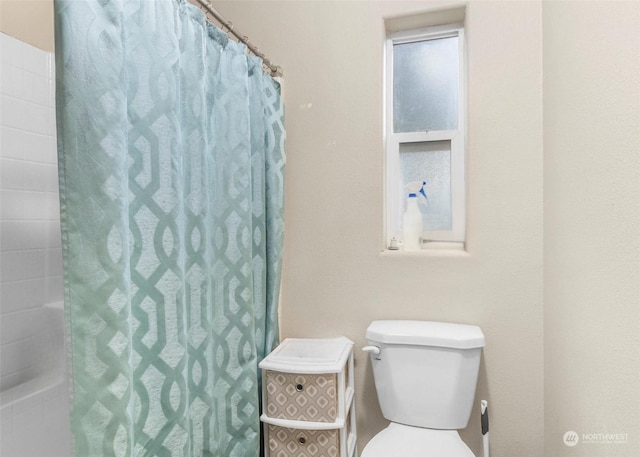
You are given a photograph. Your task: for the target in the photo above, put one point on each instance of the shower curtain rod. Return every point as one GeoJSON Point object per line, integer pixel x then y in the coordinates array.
{"type": "Point", "coordinates": [275, 70]}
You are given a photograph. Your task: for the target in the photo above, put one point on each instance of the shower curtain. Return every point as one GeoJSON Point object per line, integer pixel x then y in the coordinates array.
{"type": "Point", "coordinates": [171, 161]}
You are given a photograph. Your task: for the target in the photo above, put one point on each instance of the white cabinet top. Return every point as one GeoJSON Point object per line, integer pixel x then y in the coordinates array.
{"type": "Point", "coordinates": [302, 355]}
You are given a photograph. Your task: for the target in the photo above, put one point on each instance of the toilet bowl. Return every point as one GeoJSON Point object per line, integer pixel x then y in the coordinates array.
{"type": "Point", "coordinates": [399, 440]}
{"type": "Point", "coordinates": [425, 375]}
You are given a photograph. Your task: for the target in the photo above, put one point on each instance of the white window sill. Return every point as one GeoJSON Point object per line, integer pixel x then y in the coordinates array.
{"type": "Point", "coordinates": [431, 249]}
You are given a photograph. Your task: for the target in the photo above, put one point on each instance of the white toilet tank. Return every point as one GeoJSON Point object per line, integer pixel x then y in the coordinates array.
{"type": "Point", "coordinates": [426, 372]}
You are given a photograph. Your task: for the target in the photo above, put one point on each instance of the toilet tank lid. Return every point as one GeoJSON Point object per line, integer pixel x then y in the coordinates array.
{"type": "Point", "coordinates": [426, 333]}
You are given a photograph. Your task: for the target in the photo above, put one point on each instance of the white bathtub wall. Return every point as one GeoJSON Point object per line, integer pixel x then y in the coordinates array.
{"type": "Point", "coordinates": [30, 249]}
{"type": "Point", "coordinates": [39, 407]}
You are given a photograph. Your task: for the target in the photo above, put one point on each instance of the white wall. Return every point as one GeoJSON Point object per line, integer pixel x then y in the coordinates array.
{"type": "Point", "coordinates": [335, 279]}
{"type": "Point", "coordinates": [30, 248]}
{"type": "Point", "coordinates": [592, 226]}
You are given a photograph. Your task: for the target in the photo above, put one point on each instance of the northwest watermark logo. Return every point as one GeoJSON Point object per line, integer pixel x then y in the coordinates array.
{"type": "Point", "coordinates": [572, 438]}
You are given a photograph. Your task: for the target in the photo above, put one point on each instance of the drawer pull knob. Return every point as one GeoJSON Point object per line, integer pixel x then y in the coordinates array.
{"type": "Point", "coordinates": [299, 387]}
{"type": "Point", "coordinates": [302, 440]}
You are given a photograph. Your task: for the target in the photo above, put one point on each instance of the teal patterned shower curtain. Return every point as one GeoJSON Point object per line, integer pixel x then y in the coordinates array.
{"type": "Point", "coordinates": [171, 161]}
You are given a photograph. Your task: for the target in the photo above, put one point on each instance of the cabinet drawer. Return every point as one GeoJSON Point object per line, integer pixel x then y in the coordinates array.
{"type": "Point", "coordinates": [288, 442]}
{"type": "Point", "coordinates": [302, 397]}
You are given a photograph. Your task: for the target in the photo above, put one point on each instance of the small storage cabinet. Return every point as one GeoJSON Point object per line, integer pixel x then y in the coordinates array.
{"type": "Point", "coordinates": [308, 399]}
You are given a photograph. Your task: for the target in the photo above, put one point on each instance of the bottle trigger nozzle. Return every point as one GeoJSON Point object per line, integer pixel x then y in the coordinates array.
{"type": "Point", "coordinates": [417, 187]}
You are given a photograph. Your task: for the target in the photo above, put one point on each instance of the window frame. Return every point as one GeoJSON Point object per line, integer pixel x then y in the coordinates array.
{"type": "Point", "coordinates": [457, 139]}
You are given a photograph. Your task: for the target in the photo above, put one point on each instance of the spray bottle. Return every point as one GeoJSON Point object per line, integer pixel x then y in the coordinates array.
{"type": "Point", "coordinates": [412, 218]}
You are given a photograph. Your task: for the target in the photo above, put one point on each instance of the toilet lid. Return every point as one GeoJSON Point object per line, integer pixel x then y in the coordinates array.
{"type": "Point", "coordinates": [399, 440]}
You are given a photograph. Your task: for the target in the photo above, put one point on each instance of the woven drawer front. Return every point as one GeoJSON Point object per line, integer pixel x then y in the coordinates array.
{"type": "Point", "coordinates": [303, 397]}
{"type": "Point", "coordinates": [288, 442]}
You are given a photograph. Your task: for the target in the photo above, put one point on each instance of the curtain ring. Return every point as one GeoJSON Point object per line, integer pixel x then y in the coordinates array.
{"type": "Point", "coordinates": [205, 10]}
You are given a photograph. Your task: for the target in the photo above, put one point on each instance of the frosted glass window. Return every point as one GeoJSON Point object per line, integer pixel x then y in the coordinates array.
{"type": "Point", "coordinates": [425, 85]}
{"type": "Point", "coordinates": [430, 162]}
{"type": "Point", "coordinates": [425, 105]}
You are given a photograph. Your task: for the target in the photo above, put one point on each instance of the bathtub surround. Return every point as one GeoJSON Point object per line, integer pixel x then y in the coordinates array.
{"type": "Point", "coordinates": [32, 388]}
{"type": "Point", "coordinates": [35, 412]}
{"type": "Point", "coordinates": [31, 259]}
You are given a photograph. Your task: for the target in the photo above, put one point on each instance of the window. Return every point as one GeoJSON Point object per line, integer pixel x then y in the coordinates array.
{"type": "Point", "coordinates": [425, 129]}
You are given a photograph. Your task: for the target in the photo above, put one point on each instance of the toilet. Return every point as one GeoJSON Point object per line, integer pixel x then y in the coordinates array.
{"type": "Point", "coordinates": [425, 375]}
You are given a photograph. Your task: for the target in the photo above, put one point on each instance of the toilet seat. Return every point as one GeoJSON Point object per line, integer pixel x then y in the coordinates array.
{"type": "Point", "coordinates": [399, 440]}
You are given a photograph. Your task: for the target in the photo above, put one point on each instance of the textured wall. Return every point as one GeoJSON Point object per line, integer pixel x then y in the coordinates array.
{"type": "Point", "coordinates": [335, 279]}
{"type": "Point", "coordinates": [30, 21]}
{"type": "Point", "coordinates": [592, 227]}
